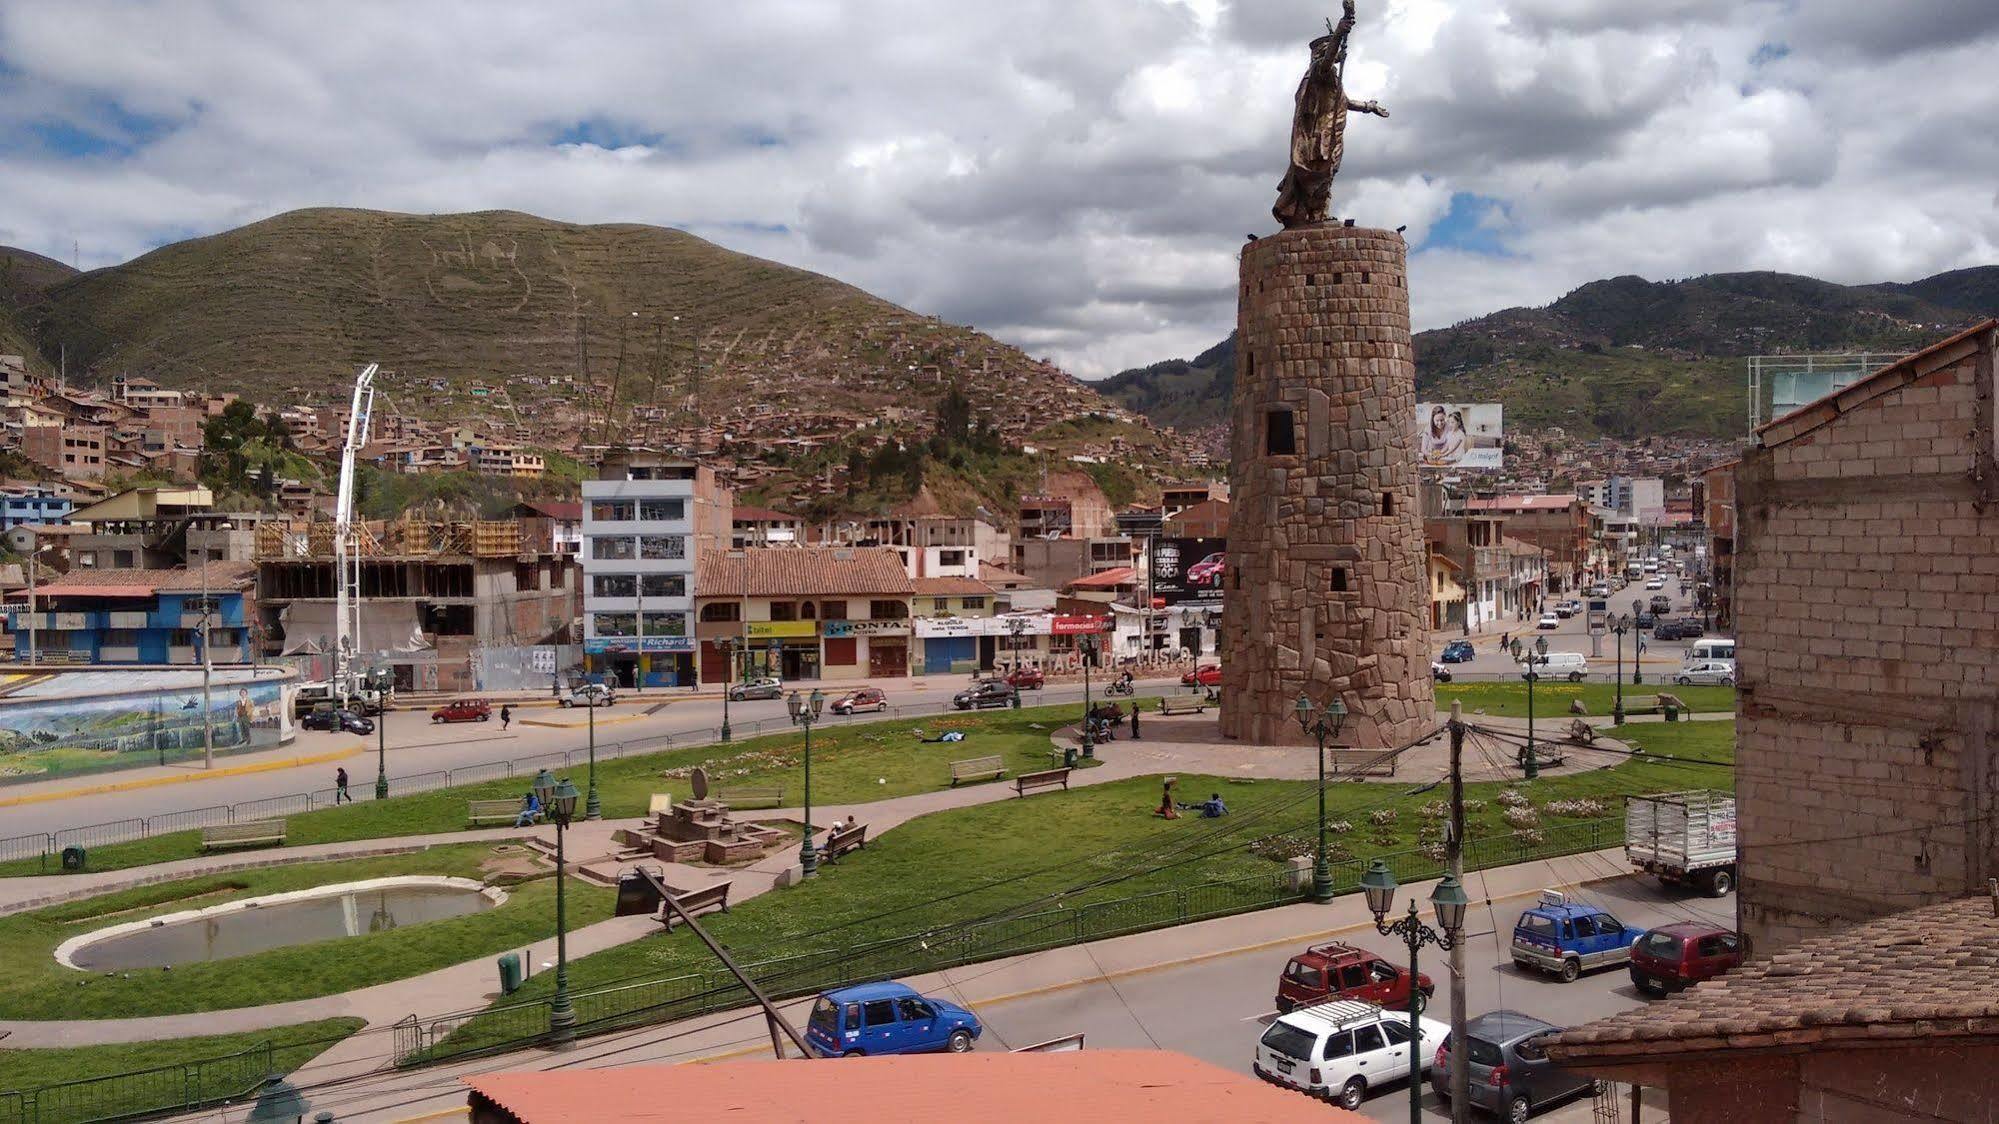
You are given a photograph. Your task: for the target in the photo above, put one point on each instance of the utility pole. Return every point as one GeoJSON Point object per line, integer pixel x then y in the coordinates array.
{"type": "Point", "coordinates": [34, 552]}
{"type": "Point", "coordinates": [207, 676]}
{"type": "Point", "coordinates": [1454, 867]}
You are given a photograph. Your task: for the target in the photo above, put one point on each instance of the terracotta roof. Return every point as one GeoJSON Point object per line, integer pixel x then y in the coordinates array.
{"type": "Point", "coordinates": [570, 512]}
{"type": "Point", "coordinates": [744, 513]}
{"type": "Point", "coordinates": [976, 1088]}
{"type": "Point", "coordinates": [1517, 546]}
{"type": "Point", "coordinates": [951, 587]}
{"type": "Point", "coordinates": [1000, 575]}
{"type": "Point", "coordinates": [1819, 411]}
{"type": "Point", "coordinates": [801, 571]}
{"type": "Point", "coordinates": [1926, 972]}
{"type": "Point", "coordinates": [222, 577]}
{"type": "Point", "coordinates": [1109, 579]}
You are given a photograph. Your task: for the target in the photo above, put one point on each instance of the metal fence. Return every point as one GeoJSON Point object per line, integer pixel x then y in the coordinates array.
{"type": "Point", "coordinates": [143, 1092]}
{"type": "Point", "coordinates": [46, 847]}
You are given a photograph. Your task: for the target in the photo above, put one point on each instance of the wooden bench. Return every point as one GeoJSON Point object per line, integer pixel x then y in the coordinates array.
{"type": "Point", "coordinates": [1046, 778]}
{"type": "Point", "coordinates": [1361, 762]}
{"type": "Point", "coordinates": [1581, 731]}
{"type": "Point", "coordinates": [694, 901]}
{"type": "Point", "coordinates": [772, 797]}
{"type": "Point", "coordinates": [981, 768]}
{"type": "Point", "coordinates": [843, 839]}
{"type": "Point", "coordinates": [1642, 704]}
{"type": "Point", "coordinates": [249, 833]}
{"type": "Point", "coordinates": [494, 811]}
{"type": "Point", "coordinates": [1182, 704]}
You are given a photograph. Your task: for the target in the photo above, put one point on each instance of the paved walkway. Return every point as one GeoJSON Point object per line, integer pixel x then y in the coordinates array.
{"type": "Point", "coordinates": [1183, 743]}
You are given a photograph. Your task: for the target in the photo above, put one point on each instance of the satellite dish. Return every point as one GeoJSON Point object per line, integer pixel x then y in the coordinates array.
{"type": "Point", "coordinates": [700, 781]}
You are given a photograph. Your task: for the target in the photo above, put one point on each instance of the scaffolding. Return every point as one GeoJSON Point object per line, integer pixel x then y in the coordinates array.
{"type": "Point", "coordinates": [407, 537]}
{"type": "Point", "coordinates": [1779, 384]}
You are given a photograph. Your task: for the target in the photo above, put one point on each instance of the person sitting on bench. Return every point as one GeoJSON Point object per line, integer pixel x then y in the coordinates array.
{"type": "Point", "coordinates": [530, 811]}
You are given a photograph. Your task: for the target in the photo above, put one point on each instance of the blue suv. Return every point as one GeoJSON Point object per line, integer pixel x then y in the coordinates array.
{"type": "Point", "coordinates": [1568, 940]}
{"type": "Point", "coordinates": [1457, 651]}
{"type": "Point", "coordinates": [888, 1018]}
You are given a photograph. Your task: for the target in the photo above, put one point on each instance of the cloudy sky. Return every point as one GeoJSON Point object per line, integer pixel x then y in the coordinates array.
{"type": "Point", "coordinates": [1074, 176]}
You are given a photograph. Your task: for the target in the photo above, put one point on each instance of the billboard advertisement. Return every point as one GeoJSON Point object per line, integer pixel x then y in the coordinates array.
{"type": "Point", "coordinates": [1459, 434]}
{"type": "Point", "coordinates": [1186, 570]}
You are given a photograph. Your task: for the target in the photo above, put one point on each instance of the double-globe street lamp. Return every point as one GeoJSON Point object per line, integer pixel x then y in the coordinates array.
{"type": "Point", "coordinates": [1323, 723]}
{"type": "Point", "coordinates": [592, 808]}
{"type": "Point", "coordinates": [1449, 902]}
{"type": "Point", "coordinates": [1535, 662]}
{"type": "Point", "coordinates": [1086, 646]}
{"type": "Point", "coordinates": [728, 681]}
{"type": "Point", "coordinates": [1619, 625]}
{"type": "Point", "coordinates": [380, 677]}
{"type": "Point", "coordinates": [1637, 610]}
{"type": "Point", "coordinates": [805, 712]}
{"type": "Point", "coordinates": [558, 802]}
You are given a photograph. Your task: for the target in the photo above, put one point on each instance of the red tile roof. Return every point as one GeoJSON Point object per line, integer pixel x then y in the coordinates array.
{"type": "Point", "coordinates": [744, 513]}
{"type": "Point", "coordinates": [952, 587]}
{"type": "Point", "coordinates": [801, 571]}
{"type": "Point", "coordinates": [978, 1088]}
{"type": "Point", "coordinates": [1109, 579]}
{"type": "Point", "coordinates": [571, 512]}
{"type": "Point", "coordinates": [1924, 973]}
{"type": "Point", "coordinates": [222, 577]}
{"type": "Point", "coordinates": [1000, 575]}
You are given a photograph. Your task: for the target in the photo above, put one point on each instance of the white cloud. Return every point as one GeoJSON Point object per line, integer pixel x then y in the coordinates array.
{"type": "Point", "coordinates": [1075, 176]}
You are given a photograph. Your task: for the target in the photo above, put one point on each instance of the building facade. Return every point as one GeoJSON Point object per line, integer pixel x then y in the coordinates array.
{"type": "Point", "coordinates": [804, 613]}
{"type": "Point", "coordinates": [140, 616]}
{"type": "Point", "coordinates": [646, 520]}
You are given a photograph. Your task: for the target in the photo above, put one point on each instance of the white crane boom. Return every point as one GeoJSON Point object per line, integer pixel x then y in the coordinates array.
{"type": "Point", "coordinates": [346, 547]}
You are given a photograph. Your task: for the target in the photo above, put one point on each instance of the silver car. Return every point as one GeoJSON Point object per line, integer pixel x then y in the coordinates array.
{"type": "Point", "coordinates": [767, 687]}
{"type": "Point", "coordinates": [1719, 672]}
{"type": "Point", "coordinates": [1509, 1045]}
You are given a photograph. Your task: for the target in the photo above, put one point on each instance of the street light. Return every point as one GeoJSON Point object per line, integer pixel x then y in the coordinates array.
{"type": "Point", "coordinates": [208, 663]}
{"type": "Point", "coordinates": [1534, 667]}
{"type": "Point", "coordinates": [1449, 902]}
{"type": "Point", "coordinates": [728, 681]}
{"type": "Point", "coordinates": [559, 801]}
{"type": "Point", "coordinates": [1620, 625]}
{"type": "Point", "coordinates": [805, 712]}
{"type": "Point", "coordinates": [1637, 609]}
{"type": "Point", "coordinates": [381, 739]}
{"type": "Point", "coordinates": [1087, 646]}
{"type": "Point", "coordinates": [592, 809]}
{"type": "Point", "coordinates": [1323, 723]}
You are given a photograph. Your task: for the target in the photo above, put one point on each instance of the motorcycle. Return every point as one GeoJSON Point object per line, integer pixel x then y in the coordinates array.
{"type": "Point", "coordinates": [1118, 687]}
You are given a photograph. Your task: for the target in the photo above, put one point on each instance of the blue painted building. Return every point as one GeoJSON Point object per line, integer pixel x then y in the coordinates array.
{"type": "Point", "coordinates": [20, 508]}
{"type": "Point", "coordinates": [140, 616]}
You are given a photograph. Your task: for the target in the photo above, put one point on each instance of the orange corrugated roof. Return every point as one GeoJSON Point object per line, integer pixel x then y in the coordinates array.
{"type": "Point", "coordinates": [800, 571]}
{"type": "Point", "coordinates": [977, 1088]}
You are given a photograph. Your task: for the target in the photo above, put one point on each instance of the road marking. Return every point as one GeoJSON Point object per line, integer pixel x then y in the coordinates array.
{"type": "Point", "coordinates": [601, 722]}
{"type": "Point", "coordinates": [184, 778]}
{"type": "Point", "coordinates": [1257, 1018]}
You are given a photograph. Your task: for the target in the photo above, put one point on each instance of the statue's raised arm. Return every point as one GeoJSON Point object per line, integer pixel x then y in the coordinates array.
{"type": "Point", "coordinates": [1318, 128]}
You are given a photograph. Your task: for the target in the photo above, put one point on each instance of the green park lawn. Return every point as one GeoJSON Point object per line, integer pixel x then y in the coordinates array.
{"type": "Point", "coordinates": [1551, 699]}
{"type": "Point", "coordinates": [850, 763]}
{"type": "Point", "coordinates": [292, 1047]}
{"type": "Point", "coordinates": [35, 986]}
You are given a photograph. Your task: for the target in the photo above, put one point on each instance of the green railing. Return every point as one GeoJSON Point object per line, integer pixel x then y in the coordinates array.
{"type": "Point", "coordinates": [143, 1092]}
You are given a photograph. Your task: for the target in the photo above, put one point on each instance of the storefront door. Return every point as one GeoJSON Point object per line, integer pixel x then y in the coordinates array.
{"type": "Point", "coordinates": [887, 661]}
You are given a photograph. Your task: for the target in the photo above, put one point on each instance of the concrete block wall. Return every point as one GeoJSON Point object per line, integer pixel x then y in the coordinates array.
{"type": "Point", "coordinates": [1327, 588]}
{"type": "Point", "coordinates": [1867, 609]}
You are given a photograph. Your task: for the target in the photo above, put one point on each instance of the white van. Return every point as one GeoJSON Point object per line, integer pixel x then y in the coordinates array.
{"type": "Point", "coordinates": [1702, 651]}
{"type": "Point", "coordinates": [1343, 1049]}
{"type": "Point", "coordinates": [1559, 665]}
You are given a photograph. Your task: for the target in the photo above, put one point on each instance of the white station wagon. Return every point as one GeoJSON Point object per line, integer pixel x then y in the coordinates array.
{"type": "Point", "coordinates": [1338, 1051]}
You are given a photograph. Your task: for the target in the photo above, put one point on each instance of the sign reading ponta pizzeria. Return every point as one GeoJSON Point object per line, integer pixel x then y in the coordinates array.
{"type": "Point", "coordinates": [837, 629]}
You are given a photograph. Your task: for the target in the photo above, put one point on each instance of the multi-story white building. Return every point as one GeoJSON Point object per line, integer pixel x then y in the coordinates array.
{"type": "Point", "coordinates": [645, 520]}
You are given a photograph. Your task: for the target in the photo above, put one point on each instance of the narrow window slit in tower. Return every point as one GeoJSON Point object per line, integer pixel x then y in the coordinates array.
{"type": "Point", "coordinates": [1339, 579]}
{"type": "Point", "coordinates": [1388, 503]}
{"type": "Point", "coordinates": [1279, 438]}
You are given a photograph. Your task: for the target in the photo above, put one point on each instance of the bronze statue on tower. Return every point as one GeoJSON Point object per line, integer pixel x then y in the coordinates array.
{"type": "Point", "coordinates": [1318, 128]}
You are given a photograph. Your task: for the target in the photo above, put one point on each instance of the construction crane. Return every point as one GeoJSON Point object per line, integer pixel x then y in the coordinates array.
{"type": "Point", "coordinates": [347, 546]}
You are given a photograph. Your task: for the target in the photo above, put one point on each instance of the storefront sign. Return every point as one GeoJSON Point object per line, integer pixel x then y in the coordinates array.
{"type": "Point", "coordinates": [1073, 626]}
{"type": "Point", "coordinates": [613, 645]}
{"type": "Point", "coordinates": [835, 629]}
{"type": "Point", "coordinates": [764, 630]}
{"type": "Point", "coordinates": [929, 627]}
{"type": "Point", "coordinates": [669, 643]}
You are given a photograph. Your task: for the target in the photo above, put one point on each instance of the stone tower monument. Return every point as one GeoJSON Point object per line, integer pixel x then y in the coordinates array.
{"type": "Point", "coordinates": [1327, 590]}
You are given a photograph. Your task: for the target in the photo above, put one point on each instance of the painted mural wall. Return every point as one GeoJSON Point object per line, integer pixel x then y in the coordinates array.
{"type": "Point", "coordinates": [62, 723]}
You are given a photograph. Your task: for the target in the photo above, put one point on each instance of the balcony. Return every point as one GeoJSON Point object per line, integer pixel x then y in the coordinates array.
{"type": "Point", "coordinates": [128, 619]}
{"type": "Point", "coordinates": [73, 622]}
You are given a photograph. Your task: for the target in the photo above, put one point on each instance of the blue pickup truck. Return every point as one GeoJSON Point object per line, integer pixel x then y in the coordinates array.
{"type": "Point", "coordinates": [1568, 939]}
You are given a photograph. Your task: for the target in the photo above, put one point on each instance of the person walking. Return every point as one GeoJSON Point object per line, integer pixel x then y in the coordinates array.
{"type": "Point", "coordinates": [340, 787]}
{"type": "Point", "coordinates": [1135, 708]}
{"type": "Point", "coordinates": [506, 716]}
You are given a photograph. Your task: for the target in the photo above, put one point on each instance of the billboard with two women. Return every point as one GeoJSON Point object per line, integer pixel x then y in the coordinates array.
{"type": "Point", "coordinates": [1459, 435]}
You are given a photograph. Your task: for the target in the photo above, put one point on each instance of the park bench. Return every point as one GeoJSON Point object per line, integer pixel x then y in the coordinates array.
{"type": "Point", "coordinates": [694, 901]}
{"type": "Point", "coordinates": [494, 811]}
{"type": "Point", "coordinates": [1581, 731]}
{"type": "Point", "coordinates": [1361, 762]}
{"type": "Point", "coordinates": [771, 797]}
{"type": "Point", "coordinates": [843, 839]}
{"type": "Point", "coordinates": [249, 833]}
{"type": "Point", "coordinates": [986, 768]}
{"type": "Point", "coordinates": [1182, 704]}
{"type": "Point", "coordinates": [1046, 778]}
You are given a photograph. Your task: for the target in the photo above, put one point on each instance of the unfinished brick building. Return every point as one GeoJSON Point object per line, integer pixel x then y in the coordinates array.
{"type": "Point", "coordinates": [1327, 593]}
{"type": "Point", "coordinates": [1867, 606]}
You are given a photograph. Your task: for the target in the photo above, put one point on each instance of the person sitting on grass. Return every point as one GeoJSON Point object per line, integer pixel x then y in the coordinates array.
{"type": "Point", "coordinates": [530, 811]}
{"type": "Point", "coordinates": [1211, 809]}
{"type": "Point", "coordinates": [946, 736]}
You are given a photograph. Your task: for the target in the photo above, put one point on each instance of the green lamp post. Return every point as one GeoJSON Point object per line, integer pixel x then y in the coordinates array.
{"type": "Point", "coordinates": [1323, 723]}
{"type": "Point", "coordinates": [1449, 902]}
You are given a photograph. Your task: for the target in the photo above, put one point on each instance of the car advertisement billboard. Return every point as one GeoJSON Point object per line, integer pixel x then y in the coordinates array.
{"type": "Point", "coordinates": [1189, 570]}
{"type": "Point", "coordinates": [1459, 435]}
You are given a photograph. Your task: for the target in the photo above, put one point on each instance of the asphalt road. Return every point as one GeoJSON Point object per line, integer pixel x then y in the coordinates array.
{"type": "Point", "coordinates": [1216, 1009]}
{"type": "Point", "coordinates": [1660, 657]}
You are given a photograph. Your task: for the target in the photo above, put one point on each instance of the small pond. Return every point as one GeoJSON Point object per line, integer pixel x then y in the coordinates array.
{"type": "Point", "coordinates": [260, 924]}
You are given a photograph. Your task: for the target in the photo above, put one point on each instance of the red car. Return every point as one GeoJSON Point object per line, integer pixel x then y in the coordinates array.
{"type": "Point", "coordinates": [863, 698]}
{"type": "Point", "coordinates": [463, 710]}
{"type": "Point", "coordinates": [1209, 676]}
{"type": "Point", "coordinates": [1026, 679]}
{"type": "Point", "coordinates": [1674, 957]}
{"type": "Point", "coordinates": [1338, 970]}
{"type": "Point", "coordinates": [1208, 571]}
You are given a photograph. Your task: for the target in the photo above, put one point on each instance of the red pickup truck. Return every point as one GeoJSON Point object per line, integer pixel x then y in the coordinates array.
{"type": "Point", "coordinates": [1338, 970]}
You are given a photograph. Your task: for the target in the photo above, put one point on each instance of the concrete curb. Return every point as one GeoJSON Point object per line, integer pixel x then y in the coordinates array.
{"type": "Point", "coordinates": [206, 774]}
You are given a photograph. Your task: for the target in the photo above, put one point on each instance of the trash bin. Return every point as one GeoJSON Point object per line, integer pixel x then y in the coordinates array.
{"type": "Point", "coordinates": [1068, 756]}
{"type": "Point", "coordinates": [73, 857]}
{"type": "Point", "coordinates": [1672, 712]}
{"type": "Point", "coordinates": [510, 973]}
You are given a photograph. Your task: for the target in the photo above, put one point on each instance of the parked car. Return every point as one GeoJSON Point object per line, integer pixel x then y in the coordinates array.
{"type": "Point", "coordinates": [1655, 583]}
{"type": "Point", "coordinates": [1598, 590]}
{"type": "Point", "coordinates": [888, 1018]}
{"type": "Point", "coordinates": [1556, 665]}
{"type": "Point", "coordinates": [1549, 620]}
{"type": "Point", "coordinates": [864, 698]}
{"type": "Point", "coordinates": [1209, 570]}
{"type": "Point", "coordinates": [985, 693]}
{"type": "Point", "coordinates": [463, 710]}
{"type": "Point", "coordinates": [1568, 939]}
{"type": "Point", "coordinates": [1661, 603]}
{"type": "Point", "coordinates": [1691, 628]}
{"type": "Point", "coordinates": [1458, 651]}
{"type": "Point", "coordinates": [1338, 970]}
{"type": "Point", "coordinates": [1207, 675]}
{"type": "Point", "coordinates": [1027, 678]}
{"type": "Point", "coordinates": [1719, 672]}
{"type": "Point", "coordinates": [1676, 957]}
{"type": "Point", "coordinates": [1667, 630]}
{"type": "Point", "coordinates": [1340, 1050]}
{"type": "Point", "coordinates": [763, 687]}
{"type": "Point", "coordinates": [1510, 1074]}
{"type": "Point", "coordinates": [591, 694]}
{"type": "Point", "coordinates": [1439, 672]}
{"type": "Point", "coordinates": [1643, 620]}
{"type": "Point", "coordinates": [337, 720]}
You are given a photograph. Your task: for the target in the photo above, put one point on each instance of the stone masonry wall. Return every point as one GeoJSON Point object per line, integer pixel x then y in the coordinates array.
{"type": "Point", "coordinates": [1327, 593]}
{"type": "Point", "coordinates": [1867, 606]}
